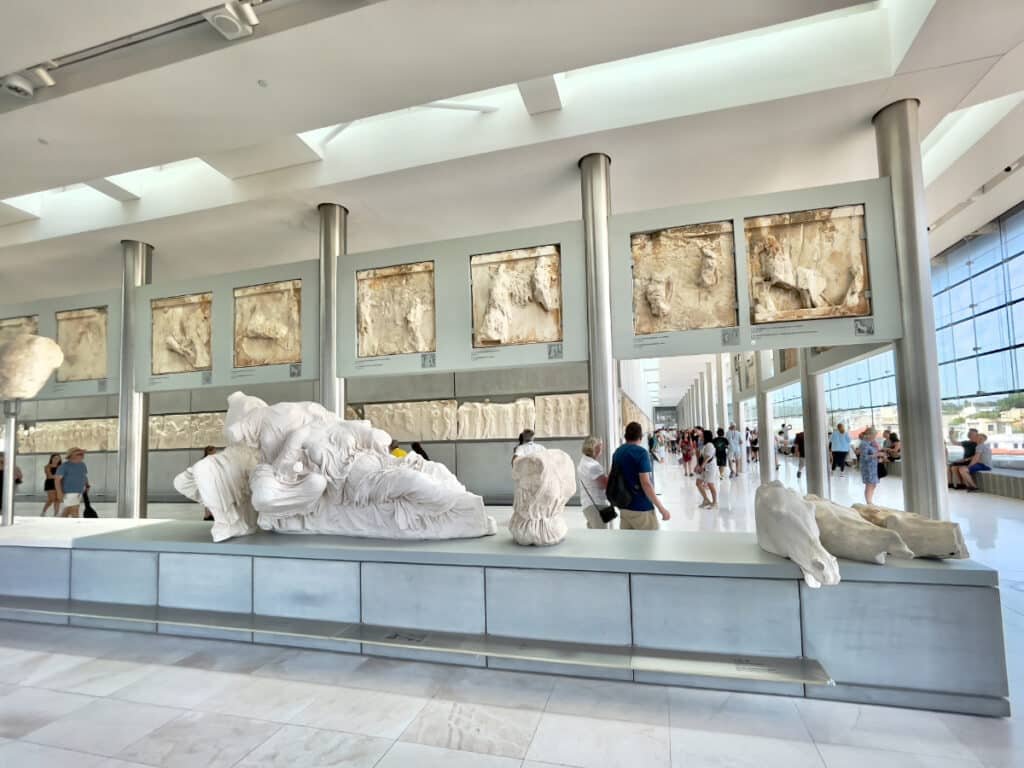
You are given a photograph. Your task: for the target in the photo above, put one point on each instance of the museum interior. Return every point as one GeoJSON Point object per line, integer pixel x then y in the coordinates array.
{"type": "Point", "coordinates": [512, 384]}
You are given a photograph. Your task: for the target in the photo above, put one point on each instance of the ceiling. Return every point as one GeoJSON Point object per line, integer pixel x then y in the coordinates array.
{"type": "Point", "coordinates": [693, 102]}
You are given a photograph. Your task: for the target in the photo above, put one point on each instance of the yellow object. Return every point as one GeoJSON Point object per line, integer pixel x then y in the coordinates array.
{"type": "Point", "coordinates": [398, 453]}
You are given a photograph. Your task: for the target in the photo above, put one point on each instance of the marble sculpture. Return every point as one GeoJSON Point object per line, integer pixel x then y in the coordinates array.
{"type": "Point", "coordinates": [846, 534]}
{"type": "Point", "coordinates": [496, 421]}
{"type": "Point", "coordinates": [808, 264]}
{"type": "Point", "coordinates": [429, 420]}
{"type": "Point", "coordinates": [82, 336]}
{"type": "Point", "coordinates": [26, 363]}
{"type": "Point", "coordinates": [517, 296]}
{"type": "Point", "coordinates": [15, 326]}
{"type": "Point", "coordinates": [268, 324]}
{"type": "Point", "coordinates": [181, 334]}
{"type": "Point", "coordinates": [786, 526]}
{"type": "Point", "coordinates": [928, 538]}
{"type": "Point", "coordinates": [395, 310]}
{"type": "Point", "coordinates": [630, 411]}
{"type": "Point", "coordinates": [57, 436]}
{"type": "Point", "coordinates": [563, 415]}
{"type": "Point", "coordinates": [684, 278]}
{"type": "Point", "coordinates": [544, 482]}
{"type": "Point", "coordinates": [297, 468]}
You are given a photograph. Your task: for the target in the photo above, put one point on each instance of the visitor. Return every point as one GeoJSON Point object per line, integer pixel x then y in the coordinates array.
{"type": "Point", "coordinates": [652, 442]}
{"type": "Point", "coordinates": [981, 461]}
{"type": "Point", "coordinates": [17, 475]}
{"type": "Point", "coordinates": [780, 447]}
{"type": "Point", "coordinates": [395, 450]}
{"type": "Point", "coordinates": [526, 445]}
{"type": "Point", "coordinates": [894, 449]}
{"type": "Point", "coordinates": [799, 454]}
{"type": "Point", "coordinates": [593, 482]}
{"type": "Point", "coordinates": [633, 462]}
{"type": "Point", "coordinates": [970, 445]}
{"type": "Point", "coordinates": [721, 452]}
{"type": "Point", "coordinates": [209, 450]}
{"type": "Point", "coordinates": [49, 487]}
{"type": "Point", "coordinates": [689, 451]}
{"type": "Point", "coordinates": [870, 455]}
{"type": "Point", "coordinates": [839, 443]}
{"type": "Point", "coordinates": [754, 446]}
{"type": "Point", "coordinates": [417, 448]}
{"type": "Point", "coordinates": [707, 473]}
{"type": "Point", "coordinates": [735, 439]}
{"type": "Point", "coordinates": [71, 480]}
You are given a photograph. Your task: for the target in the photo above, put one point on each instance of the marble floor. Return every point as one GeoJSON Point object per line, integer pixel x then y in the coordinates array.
{"type": "Point", "coordinates": [99, 699]}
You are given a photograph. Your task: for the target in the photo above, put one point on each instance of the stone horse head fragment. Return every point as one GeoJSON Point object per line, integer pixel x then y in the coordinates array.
{"type": "Point", "coordinates": [26, 362]}
{"type": "Point", "coordinates": [928, 538]}
{"type": "Point", "coordinates": [786, 527]}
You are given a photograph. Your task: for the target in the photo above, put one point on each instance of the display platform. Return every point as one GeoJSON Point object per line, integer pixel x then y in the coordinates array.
{"type": "Point", "coordinates": [695, 609]}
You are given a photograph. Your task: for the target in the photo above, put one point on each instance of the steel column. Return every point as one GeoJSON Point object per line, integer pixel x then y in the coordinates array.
{"type": "Point", "coordinates": [722, 413]}
{"type": "Point", "coordinates": [709, 394]}
{"type": "Point", "coordinates": [333, 245]}
{"type": "Point", "coordinates": [918, 396]}
{"type": "Point", "coordinates": [812, 398]}
{"type": "Point", "coordinates": [765, 439]}
{"type": "Point", "coordinates": [604, 402]}
{"type": "Point", "coordinates": [132, 405]}
{"type": "Point", "coordinates": [10, 460]}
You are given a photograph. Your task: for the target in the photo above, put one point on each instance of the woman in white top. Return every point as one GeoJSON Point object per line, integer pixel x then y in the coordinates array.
{"type": "Point", "coordinates": [707, 473]}
{"type": "Point", "coordinates": [593, 482]}
{"type": "Point", "coordinates": [526, 445]}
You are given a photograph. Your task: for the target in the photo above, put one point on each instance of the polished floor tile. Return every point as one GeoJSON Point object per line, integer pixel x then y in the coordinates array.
{"type": "Point", "coordinates": [23, 710]}
{"type": "Point", "coordinates": [474, 728]}
{"type": "Point", "coordinates": [96, 677]}
{"type": "Point", "coordinates": [297, 747]}
{"type": "Point", "coordinates": [31, 668]}
{"type": "Point", "coordinates": [592, 743]}
{"type": "Point", "coordinates": [519, 690]}
{"type": "Point", "coordinates": [197, 740]}
{"type": "Point", "coordinates": [177, 687]}
{"type": "Point", "coordinates": [312, 667]}
{"type": "Point", "coordinates": [371, 713]}
{"type": "Point", "coordinates": [21, 754]}
{"type": "Point", "coordinates": [405, 755]}
{"type": "Point", "coordinates": [859, 757]}
{"type": "Point", "coordinates": [611, 701]}
{"type": "Point", "coordinates": [103, 727]}
{"type": "Point", "coordinates": [263, 699]}
{"type": "Point", "coordinates": [729, 750]}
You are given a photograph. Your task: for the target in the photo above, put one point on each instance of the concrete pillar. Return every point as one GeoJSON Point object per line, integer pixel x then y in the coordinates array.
{"type": "Point", "coordinates": [709, 394]}
{"type": "Point", "coordinates": [917, 368]}
{"type": "Point", "coordinates": [812, 398]}
{"type": "Point", "coordinates": [766, 441]}
{"type": "Point", "coordinates": [10, 460]}
{"type": "Point", "coordinates": [722, 414]}
{"type": "Point", "coordinates": [702, 401]}
{"type": "Point", "coordinates": [133, 406]}
{"type": "Point", "coordinates": [604, 403]}
{"type": "Point", "coordinates": [333, 245]}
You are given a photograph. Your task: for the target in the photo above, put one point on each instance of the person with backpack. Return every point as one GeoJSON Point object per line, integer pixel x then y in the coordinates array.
{"type": "Point", "coordinates": [631, 486]}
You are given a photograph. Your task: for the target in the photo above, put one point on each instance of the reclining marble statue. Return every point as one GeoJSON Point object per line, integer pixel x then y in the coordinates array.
{"type": "Point", "coordinates": [297, 468]}
{"type": "Point", "coordinates": [786, 526]}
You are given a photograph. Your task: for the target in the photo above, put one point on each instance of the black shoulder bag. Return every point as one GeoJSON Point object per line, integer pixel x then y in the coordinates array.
{"type": "Point", "coordinates": [607, 513]}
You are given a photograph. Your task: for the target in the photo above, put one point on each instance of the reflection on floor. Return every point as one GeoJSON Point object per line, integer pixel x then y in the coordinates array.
{"type": "Point", "coordinates": [99, 699]}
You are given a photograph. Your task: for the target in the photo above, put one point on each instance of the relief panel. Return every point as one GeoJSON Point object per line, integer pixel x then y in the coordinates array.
{"type": "Point", "coordinates": [631, 412]}
{"type": "Point", "coordinates": [808, 265]}
{"type": "Point", "coordinates": [395, 310]}
{"type": "Point", "coordinates": [684, 278]}
{"type": "Point", "coordinates": [429, 420]}
{"type": "Point", "coordinates": [82, 337]}
{"type": "Point", "coordinates": [181, 333]}
{"type": "Point", "coordinates": [496, 421]}
{"type": "Point", "coordinates": [13, 326]}
{"type": "Point", "coordinates": [61, 436]}
{"type": "Point", "coordinates": [563, 415]}
{"type": "Point", "coordinates": [517, 296]}
{"type": "Point", "coordinates": [268, 324]}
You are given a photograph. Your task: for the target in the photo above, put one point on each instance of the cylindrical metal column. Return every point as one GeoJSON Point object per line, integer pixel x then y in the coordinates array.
{"type": "Point", "coordinates": [133, 406]}
{"type": "Point", "coordinates": [10, 460]}
{"type": "Point", "coordinates": [723, 408]}
{"type": "Point", "coordinates": [765, 438]}
{"type": "Point", "coordinates": [333, 245]}
{"type": "Point", "coordinates": [737, 419]}
{"type": "Point", "coordinates": [604, 401]}
{"type": "Point", "coordinates": [812, 394]}
{"type": "Point", "coordinates": [701, 404]}
{"type": "Point", "coordinates": [918, 398]}
{"type": "Point", "coordinates": [709, 394]}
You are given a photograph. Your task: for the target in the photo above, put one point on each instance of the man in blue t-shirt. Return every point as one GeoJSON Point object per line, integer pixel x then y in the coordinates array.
{"type": "Point", "coordinates": [71, 481]}
{"type": "Point", "coordinates": [634, 463]}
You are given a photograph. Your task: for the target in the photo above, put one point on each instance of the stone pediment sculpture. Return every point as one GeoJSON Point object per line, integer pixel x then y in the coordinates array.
{"type": "Point", "coordinates": [26, 363]}
{"type": "Point", "coordinates": [297, 468]}
{"type": "Point", "coordinates": [786, 527]}
{"type": "Point", "coordinates": [846, 534]}
{"type": "Point", "coordinates": [517, 296]}
{"type": "Point", "coordinates": [545, 481]}
{"type": "Point", "coordinates": [928, 538]}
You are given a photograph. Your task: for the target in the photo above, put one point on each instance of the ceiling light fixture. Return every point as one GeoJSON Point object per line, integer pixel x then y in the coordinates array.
{"type": "Point", "coordinates": [234, 20]}
{"type": "Point", "coordinates": [19, 86]}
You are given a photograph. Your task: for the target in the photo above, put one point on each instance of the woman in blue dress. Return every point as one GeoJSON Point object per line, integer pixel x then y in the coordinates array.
{"type": "Point", "coordinates": [869, 458]}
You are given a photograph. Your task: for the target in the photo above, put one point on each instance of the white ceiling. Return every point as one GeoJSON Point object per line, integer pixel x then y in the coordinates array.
{"type": "Point", "coordinates": [401, 53]}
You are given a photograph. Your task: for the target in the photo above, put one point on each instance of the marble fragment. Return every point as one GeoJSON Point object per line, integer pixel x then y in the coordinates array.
{"type": "Point", "coordinates": [544, 483]}
{"type": "Point", "coordinates": [684, 278]}
{"type": "Point", "coordinates": [15, 326]}
{"type": "Point", "coordinates": [496, 421]}
{"type": "Point", "coordinates": [563, 415]}
{"type": "Point", "coordinates": [91, 435]}
{"type": "Point", "coordinates": [786, 527]}
{"type": "Point", "coordinates": [181, 334]}
{"type": "Point", "coordinates": [26, 363]}
{"type": "Point", "coordinates": [395, 310]}
{"type": "Point", "coordinates": [427, 420]}
{"type": "Point", "coordinates": [928, 538]}
{"type": "Point", "coordinates": [517, 296]}
{"type": "Point", "coordinates": [268, 324]}
{"type": "Point", "coordinates": [844, 533]}
{"type": "Point", "coordinates": [82, 336]}
{"type": "Point", "coordinates": [808, 265]}
{"type": "Point", "coordinates": [630, 411]}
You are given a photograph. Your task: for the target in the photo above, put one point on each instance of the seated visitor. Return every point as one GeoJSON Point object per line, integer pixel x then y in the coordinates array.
{"type": "Point", "coordinates": [526, 445]}
{"type": "Point", "coordinates": [969, 446]}
{"type": "Point", "coordinates": [981, 461]}
{"type": "Point", "coordinates": [894, 448]}
{"type": "Point", "coordinates": [417, 448]}
{"type": "Point", "coordinates": [395, 450]}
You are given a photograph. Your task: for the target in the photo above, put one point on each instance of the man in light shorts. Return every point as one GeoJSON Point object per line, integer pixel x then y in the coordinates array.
{"type": "Point", "coordinates": [735, 438]}
{"type": "Point", "coordinates": [71, 481]}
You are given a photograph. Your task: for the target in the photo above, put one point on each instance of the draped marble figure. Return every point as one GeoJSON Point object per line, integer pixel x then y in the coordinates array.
{"type": "Point", "coordinates": [297, 468]}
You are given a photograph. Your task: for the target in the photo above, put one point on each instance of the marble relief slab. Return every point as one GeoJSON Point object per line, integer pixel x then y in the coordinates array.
{"type": "Point", "coordinates": [684, 278]}
{"type": "Point", "coordinates": [352, 413]}
{"type": "Point", "coordinates": [14, 326]}
{"type": "Point", "coordinates": [181, 333]}
{"type": "Point", "coordinates": [563, 415]}
{"type": "Point", "coordinates": [395, 310]}
{"type": "Point", "coordinates": [82, 336]}
{"type": "Point", "coordinates": [422, 421]}
{"type": "Point", "coordinates": [180, 431]}
{"type": "Point", "coordinates": [61, 436]}
{"type": "Point", "coordinates": [496, 421]}
{"type": "Point", "coordinates": [808, 265]}
{"type": "Point", "coordinates": [631, 412]}
{"type": "Point", "coordinates": [268, 324]}
{"type": "Point", "coordinates": [517, 296]}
